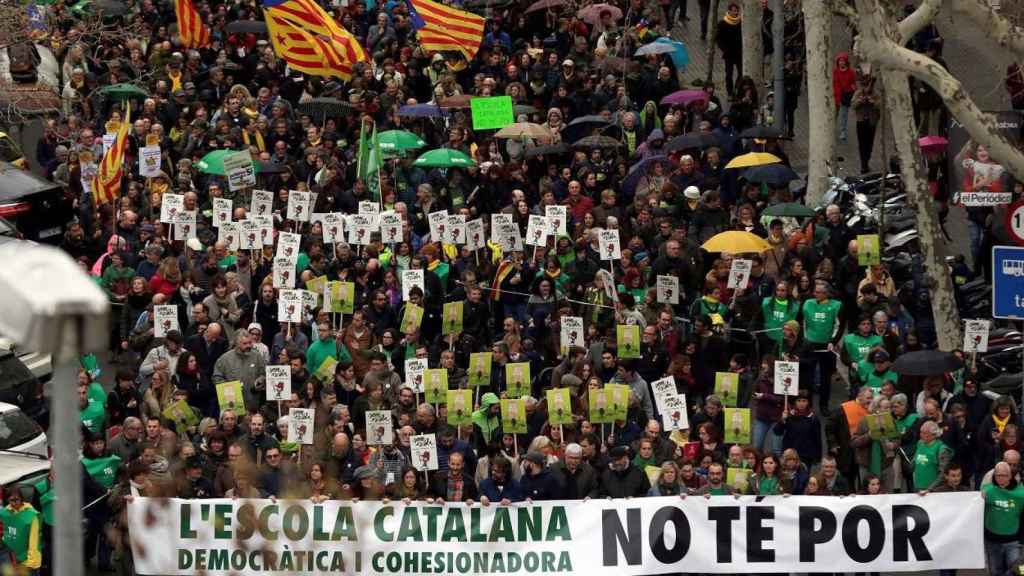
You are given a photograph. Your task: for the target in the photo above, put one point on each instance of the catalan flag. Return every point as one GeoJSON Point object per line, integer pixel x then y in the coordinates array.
{"type": "Point", "coordinates": [190, 25]}
{"type": "Point", "coordinates": [441, 28]}
{"type": "Point", "coordinates": [310, 40]}
{"type": "Point", "coordinates": [107, 183]}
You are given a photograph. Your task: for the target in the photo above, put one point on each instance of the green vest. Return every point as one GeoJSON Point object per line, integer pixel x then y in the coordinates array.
{"type": "Point", "coordinates": [857, 346]}
{"type": "Point", "coordinates": [820, 320]}
{"type": "Point", "coordinates": [1002, 509]}
{"type": "Point", "coordinates": [103, 470]}
{"type": "Point", "coordinates": [96, 394]}
{"type": "Point", "coordinates": [46, 500]}
{"type": "Point", "coordinates": [926, 464]}
{"type": "Point", "coordinates": [18, 530]}
{"type": "Point", "coordinates": [869, 377]}
{"type": "Point", "coordinates": [776, 314]}
{"type": "Point", "coordinates": [93, 416]}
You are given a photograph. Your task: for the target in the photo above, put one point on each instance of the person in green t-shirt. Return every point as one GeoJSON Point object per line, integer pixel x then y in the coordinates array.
{"type": "Point", "coordinates": [1004, 501]}
{"type": "Point", "coordinates": [821, 323]}
{"type": "Point", "coordinates": [716, 485]}
{"type": "Point", "coordinates": [93, 415]}
{"type": "Point", "coordinates": [22, 532]}
{"type": "Point", "coordinates": [325, 346]}
{"type": "Point", "coordinates": [876, 370]}
{"type": "Point", "coordinates": [931, 456]}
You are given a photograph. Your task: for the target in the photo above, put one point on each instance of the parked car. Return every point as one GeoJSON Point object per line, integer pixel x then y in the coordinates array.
{"type": "Point", "coordinates": [20, 387]}
{"type": "Point", "coordinates": [24, 450]}
{"type": "Point", "coordinates": [33, 204]}
{"type": "Point", "coordinates": [40, 365]}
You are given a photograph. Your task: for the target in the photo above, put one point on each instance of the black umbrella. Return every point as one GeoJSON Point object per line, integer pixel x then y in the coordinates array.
{"type": "Point", "coordinates": [771, 174]}
{"type": "Point", "coordinates": [699, 140]}
{"type": "Point", "coordinates": [264, 167]}
{"type": "Point", "coordinates": [583, 126]}
{"type": "Point", "coordinates": [926, 363]}
{"type": "Point", "coordinates": [596, 141]}
{"type": "Point", "coordinates": [762, 133]}
{"type": "Point", "coordinates": [246, 27]}
{"type": "Point", "coordinates": [551, 150]}
{"type": "Point", "coordinates": [319, 109]}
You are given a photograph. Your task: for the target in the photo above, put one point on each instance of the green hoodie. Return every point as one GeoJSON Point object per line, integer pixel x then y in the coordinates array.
{"type": "Point", "coordinates": [486, 422]}
{"type": "Point", "coordinates": [21, 534]}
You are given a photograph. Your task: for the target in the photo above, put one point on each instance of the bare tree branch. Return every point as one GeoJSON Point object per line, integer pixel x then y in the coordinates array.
{"type": "Point", "coordinates": [918, 19]}
{"type": "Point", "coordinates": [997, 28]}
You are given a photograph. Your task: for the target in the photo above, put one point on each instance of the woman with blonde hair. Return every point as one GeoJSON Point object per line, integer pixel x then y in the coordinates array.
{"type": "Point", "coordinates": [158, 396]}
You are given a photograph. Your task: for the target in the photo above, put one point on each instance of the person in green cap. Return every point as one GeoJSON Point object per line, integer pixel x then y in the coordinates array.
{"type": "Point", "coordinates": [22, 532]}
{"type": "Point", "coordinates": [487, 421]}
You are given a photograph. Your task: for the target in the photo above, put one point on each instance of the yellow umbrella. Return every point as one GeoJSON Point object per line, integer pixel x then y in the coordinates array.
{"type": "Point", "coordinates": [753, 159]}
{"type": "Point", "coordinates": [736, 242]}
{"type": "Point", "coordinates": [525, 130]}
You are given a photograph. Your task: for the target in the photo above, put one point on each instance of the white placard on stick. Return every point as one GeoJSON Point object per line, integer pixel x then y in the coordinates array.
{"type": "Point", "coordinates": [222, 208]}
{"type": "Point", "coordinates": [558, 220]}
{"type": "Point", "coordinates": [787, 378]}
{"type": "Point", "coordinates": [391, 227]}
{"type": "Point", "coordinates": [456, 229]}
{"type": "Point", "coordinates": [288, 244]}
{"type": "Point", "coordinates": [379, 429]}
{"type": "Point", "coordinates": [423, 448]}
{"type": "Point", "coordinates": [170, 205]}
{"type": "Point", "coordinates": [571, 332]}
{"type": "Point", "coordinates": [289, 306]}
{"type": "Point", "coordinates": [475, 238]}
{"type": "Point", "coordinates": [739, 274]}
{"type": "Point", "coordinates": [536, 230]}
{"type": "Point", "coordinates": [412, 278]}
{"type": "Point", "coordinates": [668, 290]}
{"type": "Point", "coordinates": [673, 413]}
{"type": "Point", "coordinates": [299, 206]}
{"type": "Point", "coordinates": [165, 319]}
{"type": "Point", "coordinates": [608, 243]}
{"type": "Point", "coordinates": [279, 383]}
{"type": "Point", "coordinates": [249, 235]}
{"type": "Point", "coordinates": [149, 161]}
{"type": "Point", "coordinates": [262, 203]}
{"type": "Point", "coordinates": [334, 227]}
{"type": "Point", "coordinates": [227, 234]}
{"type": "Point", "coordinates": [976, 335]}
{"type": "Point", "coordinates": [300, 425]}
{"type": "Point", "coordinates": [414, 369]}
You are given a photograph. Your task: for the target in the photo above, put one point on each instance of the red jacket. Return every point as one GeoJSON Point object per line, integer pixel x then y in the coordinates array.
{"type": "Point", "coordinates": [160, 286]}
{"type": "Point", "coordinates": [843, 80]}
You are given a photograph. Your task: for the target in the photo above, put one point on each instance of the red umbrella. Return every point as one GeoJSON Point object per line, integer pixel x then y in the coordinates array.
{"type": "Point", "coordinates": [592, 14]}
{"type": "Point", "coordinates": [932, 143]}
{"type": "Point", "coordinates": [685, 97]}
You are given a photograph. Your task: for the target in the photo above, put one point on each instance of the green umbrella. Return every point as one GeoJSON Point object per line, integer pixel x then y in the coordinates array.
{"type": "Point", "coordinates": [213, 163]}
{"type": "Point", "coordinates": [791, 209]}
{"type": "Point", "coordinates": [124, 91]}
{"type": "Point", "coordinates": [444, 158]}
{"type": "Point", "coordinates": [399, 141]}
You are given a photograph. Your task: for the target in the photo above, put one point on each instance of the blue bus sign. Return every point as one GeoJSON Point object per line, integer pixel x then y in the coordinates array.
{"type": "Point", "coordinates": [1007, 282]}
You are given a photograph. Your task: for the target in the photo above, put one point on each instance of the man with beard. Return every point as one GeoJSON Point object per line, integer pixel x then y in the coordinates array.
{"type": "Point", "coordinates": [621, 479]}
{"type": "Point", "coordinates": [381, 374]}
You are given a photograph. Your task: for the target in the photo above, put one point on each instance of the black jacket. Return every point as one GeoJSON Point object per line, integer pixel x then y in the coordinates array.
{"type": "Point", "coordinates": [576, 485]}
{"type": "Point", "coordinates": [543, 486]}
{"type": "Point", "coordinates": [439, 486]}
{"type": "Point", "coordinates": [629, 483]}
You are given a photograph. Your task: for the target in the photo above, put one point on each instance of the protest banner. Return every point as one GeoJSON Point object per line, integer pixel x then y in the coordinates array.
{"type": "Point", "coordinates": [185, 227]}
{"type": "Point", "coordinates": [738, 478]}
{"type": "Point", "coordinates": [627, 340]}
{"type": "Point", "coordinates": [451, 318]}
{"type": "Point", "coordinates": [317, 285]}
{"type": "Point", "coordinates": [165, 319]}
{"type": "Point", "coordinates": [663, 387]}
{"type": "Point", "coordinates": [230, 397]}
{"type": "Point", "coordinates": [412, 278]}
{"type": "Point", "coordinates": [325, 372]}
{"type": "Point", "coordinates": [239, 170]}
{"type": "Point", "coordinates": [571, 333]}
{"type": "Point", "coordinates": [261, 203]}
{"type": "Point", "coordinates": [558, 219]}
{"type": "Point", "coordinates": [149, 161]}
{"type": "Point", "coordinates": [283, 273]}
{"type": "Point", "coordinates": [459, 407]}
{"type": "Point", "coordinates": [249, 235]}
{"type": "Point", "coordinates": [438, 222]}
{"type": "Point", "coordinates": [787, 378]}
{"type": "Point", "coordinates": [300, 425]}
{"type": "Point", "coordinates": [456, 229]}
{"type": "Point", "coordinates": [423, 448]}
{"type": "Point", "coordinates": [673, 413]}
{"type": "Point", "coordinates": [513, 415]}
{"type": "Point", "coordinates": [227, 234]}
{"type": "Point", "coordinates": [638, 536]}
{"type": "Point", "coordinates": [727, 385]}
{"type": "Point", "coordinates": [882, 426]}
{"type": "Point", "coordinates": [222, 208]}
{"type": "Point", "coordinates": [868, 253]}
{"type": "Point", "coordinates": [435, 385]}
{"type": "Point", "coordinates": [737, 426]}
{"type": "Point", "coordinates": [536, 231]}
{"type": "Point", "coordinates": [170, 205]}
{"type": "Point", "coordinates": [976, 335]}
{"type": "Point", "coordinates": [493, 113]}
{"type": "Point", "coordinates": [411, 318]}
{"type": "Point", "coordinates": [668, 290]}
{"type": "Point", "coordinates": [480, 369]}
{"type": "Point", "coordinates": [618, 396]}
{"type": "Point", "coordinates": [183, 416]}
{"type": "Point", "coordinates": [517, 379]}
{"type": "Point", "coordinates": [265, 230]}
{"type": "Point", "coordinates": [608, 243]}
{"type": "Point", "coordinates": [289, 306]}
{"type": "Point", "coordinates": [361, 228]}
{"type": "Point", "coordinates": [414, 369]}
{"type": "Point", "coordinates": [300, 206]}
{"type": "Point", "coordinates": [739, 274]}
{"type": "Point", "coordinates": [475, 238]}
{"type": "Point", "coordinates": [288, 246]}
{"type": "Point", "coordinates": [279, 383]}
{"type": "Point", "coordinates": [379, 428]}
{"type": "Point", "coordinates": [559, 406]}
{"type": "Point", "coordinates": [342, 297]}
{"type": "Point", "coordinates": [599, 406]}
{"type": "Point", "coordinates": [391, 227]}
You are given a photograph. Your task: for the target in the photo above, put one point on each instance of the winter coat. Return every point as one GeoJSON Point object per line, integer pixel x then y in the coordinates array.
{"type": "Point", "coordinates": [843, 81]}
{"type": "Point", "coordinates": [631, 482]}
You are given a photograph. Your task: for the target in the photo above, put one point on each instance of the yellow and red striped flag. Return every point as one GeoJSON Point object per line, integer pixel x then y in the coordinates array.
{"type": "Point", "coordinates": [441, 28]}
{"type": "Point", "coordinates": [191, 30]}
{"type": "Point", "coordinates": [310, 40]}
{"type": "Point", "coordinates": [106, 185]}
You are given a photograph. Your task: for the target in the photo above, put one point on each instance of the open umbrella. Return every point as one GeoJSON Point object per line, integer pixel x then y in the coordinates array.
{"type": "Point", "coordinates": [583, 126]}
{"type": "Point", "coordinates": [788, 209]}
{"type": "Point", "coordinates": [550, 150]}
{"type": "Point", "coordinates": [107, 7]}
{"type": "Point", "coordinates": [320, 109]}
{"type": "Point", "coordinates": [762, 133]}
{"type": "Point", "coordinates": [524, 109]}
{"type": "Point", "coordinates": [638, 170]}
{"type": "Point", "coordinates": [592, 14]}
{"type": "Point", "coordinates": [680, 55]}
{"type": "Point", "coordinates": [699, 140]}
{"type": "Point", "coordinates": [596, 142]}
{"type": "Point", "coordinates": [213, 163]}
{"type": "Point", "coordinates": [399, 141]}
{"type": "Point", "coordinates": [457, 101]}
{"type": "Point", "coordinates": [684, 97]}
{"type": "Point", "coordinates": [654, 48]}
{"type": "Point", "coordinates": [444, 158]}
{"type": "Point", "coordinates": [544, 5]}
{"type": "Point", "coordinates": [422, 111]}
{"type": "Point", "coordinates": [123, 91]}
{"type": "Point", "coordinates": [736, 242]}
{"type": "Point", "coordinates": [246, 27]}
{"type": "Point", "coordinates": [771, 174]}
{"type": "Point", "coordinates": [926, 363]}
{"type": "Point", "coordinates": [932, 143]}
{"type": "Point", "coordinates": [270, 167]}
{"type": "Point", "coordinates": [751, 159]}
{"type": "Point", "coordinates": [525, 130]}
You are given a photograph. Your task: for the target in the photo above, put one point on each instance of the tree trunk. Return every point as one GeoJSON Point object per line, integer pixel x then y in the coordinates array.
{"type": "Point", "coordinates": [915, 180]}
{"type": "Point", "coordinates": [712, 32]}
{"type": "Point", "coordinates": [753, 43]}
{"type": "Point", "coordinates": [820, 102]}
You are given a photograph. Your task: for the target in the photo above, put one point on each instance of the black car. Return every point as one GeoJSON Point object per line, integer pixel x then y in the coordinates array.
{"type": "Point", "coordinates": [20, 387]}
{"type": "Point", "coordinates": [34, 205]}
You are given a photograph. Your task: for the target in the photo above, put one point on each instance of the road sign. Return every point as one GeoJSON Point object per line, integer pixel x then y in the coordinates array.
{"type": "Point", "coordinates": [1007, 282]}
{"type": "Point", "coordinates": [1015, 221]}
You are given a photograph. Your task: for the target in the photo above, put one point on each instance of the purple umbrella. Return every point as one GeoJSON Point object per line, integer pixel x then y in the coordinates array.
{"type": "Point", "coordinates": [684, 97]}
{"type": "Point", "coordinates": [421, 111]}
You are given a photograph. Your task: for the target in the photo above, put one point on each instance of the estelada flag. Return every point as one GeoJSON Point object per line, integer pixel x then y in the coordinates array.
{"type": "Point", "coordinates": [310, 40]}
{"type": "Point", "coordinates": [191, 30]}
{"type": "Point", "coordinates": [441, 28]}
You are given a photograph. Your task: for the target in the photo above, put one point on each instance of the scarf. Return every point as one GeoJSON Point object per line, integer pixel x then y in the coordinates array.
{"type": "Point", "coordinates": [259, 140]}
{"type": "Point", "coordinates": [732, 21]}
{"type": "Point", "coordinates": [1000, 423]}
{"type": "Point", "coordinates": [175, 80]}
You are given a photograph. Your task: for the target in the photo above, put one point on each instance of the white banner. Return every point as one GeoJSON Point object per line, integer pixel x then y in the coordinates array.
{"type": "Point", "coordinates": [892, 533]}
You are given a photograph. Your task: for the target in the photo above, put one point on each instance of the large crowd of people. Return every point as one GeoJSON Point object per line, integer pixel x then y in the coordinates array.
{"type": "Point", "coordinates": [808, 299]}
